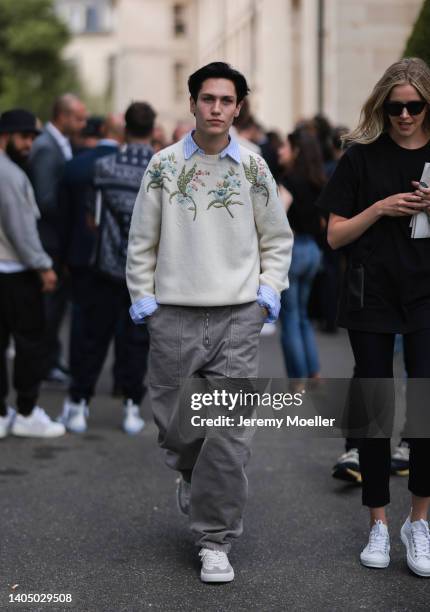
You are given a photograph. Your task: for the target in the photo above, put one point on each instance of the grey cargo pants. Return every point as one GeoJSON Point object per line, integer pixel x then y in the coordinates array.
{"type": "Point", "coordinates": [209, 346]}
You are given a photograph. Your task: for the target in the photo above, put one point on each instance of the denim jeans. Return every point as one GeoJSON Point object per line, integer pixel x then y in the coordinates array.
{"type": "Point", "coordinates": [298, 338]}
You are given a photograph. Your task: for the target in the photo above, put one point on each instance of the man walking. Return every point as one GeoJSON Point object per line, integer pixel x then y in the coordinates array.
{"type": "Point", "coordinates": [117, 179]}
{"type": "Point", "coordinates": [25, 272]}
{"type": "Point", "coordinates": [209, 252]}
{"type": "Point", "coordinates": [49, 154]}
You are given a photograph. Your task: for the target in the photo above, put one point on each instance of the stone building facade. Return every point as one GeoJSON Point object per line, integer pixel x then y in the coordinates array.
{"type": "Point", "coordinates": [300, 56]}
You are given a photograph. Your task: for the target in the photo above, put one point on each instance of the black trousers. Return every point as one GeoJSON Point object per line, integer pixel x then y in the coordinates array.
{"type": "Point", "coordinates": [81, 281]}
{"type": "Point", "coordinates": [373, 354]}
{"type": "Point", "coordinates": [55, 310]}
{"type": "Point", "coordinates": [22, 317]}
{"type": "Point", "coordinates": [106, 303]}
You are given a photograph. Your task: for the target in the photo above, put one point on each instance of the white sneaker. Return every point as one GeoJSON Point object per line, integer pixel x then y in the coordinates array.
{"type": "Point", "coordinates": [416, 537]}
{"type": "Point", "coordinates": [6, 422]}
{"type": "Point", "coordinates": [74, 416]}
{"type": "Point", "coordinates": [377, 552]}
{"type": "Point", "coordinates": [183, 495]}
{"type": "Point", "coordinates": [133, 422]}
{"type": "Point", "coordinates": [36, 425]}
{"type": "Point", "coordinates": [215, 566]}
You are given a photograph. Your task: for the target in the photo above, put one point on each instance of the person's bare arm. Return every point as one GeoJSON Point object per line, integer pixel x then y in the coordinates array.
{"type": "Point", "coordinates": [342, 231]}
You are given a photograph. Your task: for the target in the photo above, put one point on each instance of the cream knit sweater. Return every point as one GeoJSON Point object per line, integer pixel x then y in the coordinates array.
{"type": "Point", "coordinates": [207, 231]}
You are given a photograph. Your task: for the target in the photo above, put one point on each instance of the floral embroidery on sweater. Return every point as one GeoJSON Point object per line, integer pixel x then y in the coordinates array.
{"type": "Point", "coordinates": [225, 191]}
{"type": "Point", "coordinates": [256, 173]}
{"type": "Point", "coordinates": [159, 172]}
{"type": "Point", "coordinates": [187, 183]}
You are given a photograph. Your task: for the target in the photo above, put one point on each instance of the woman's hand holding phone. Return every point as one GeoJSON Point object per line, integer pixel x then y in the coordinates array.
{"type": "Point", "coordinates": [402, 204]}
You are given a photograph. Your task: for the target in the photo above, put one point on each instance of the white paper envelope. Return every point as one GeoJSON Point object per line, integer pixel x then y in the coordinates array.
{"type": "Point", "coordinates": [421, 223]}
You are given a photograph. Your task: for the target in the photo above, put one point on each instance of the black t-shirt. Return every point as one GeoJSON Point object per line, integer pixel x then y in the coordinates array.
{"type": "Point", "coordinates": [396, 267]}
{"type": "Point", "coordinates": [303, 215]}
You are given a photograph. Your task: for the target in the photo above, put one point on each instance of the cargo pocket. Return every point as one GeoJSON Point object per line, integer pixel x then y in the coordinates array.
{"type": "Point", "coordinates": [164, 353]}
{"type": "Point", "coordinates": [247, 322]}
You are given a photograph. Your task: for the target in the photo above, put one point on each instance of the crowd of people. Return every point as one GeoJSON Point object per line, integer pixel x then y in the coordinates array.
{"type": "Point", "coordinates": [107, 215]}
{"type": "Point", "coordinates": [80, 202]}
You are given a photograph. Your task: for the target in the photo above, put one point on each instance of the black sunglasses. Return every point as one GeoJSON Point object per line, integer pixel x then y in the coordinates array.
{"type": "Point", "coordinates": [395, 109]}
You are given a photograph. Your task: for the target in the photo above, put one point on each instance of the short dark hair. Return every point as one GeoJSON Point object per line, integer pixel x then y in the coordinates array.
{"type": "Point", "coordinates": [218, 70]}
{"type": "Point", "coordinates": [140, 119]}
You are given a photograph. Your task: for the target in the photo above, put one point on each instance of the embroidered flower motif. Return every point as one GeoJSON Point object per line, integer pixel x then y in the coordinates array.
{"type": "Point", "coordinates": [187, 183]}
{"type": "Point", "coordinates": [225, 191]}
{"type": "Point", "coordinates": [256, 173]}
{"type": "Point", "coordinates": [160, 171]}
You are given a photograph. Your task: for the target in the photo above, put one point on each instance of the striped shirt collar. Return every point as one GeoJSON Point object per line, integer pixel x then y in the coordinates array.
{"type": "Point", "coordinates": [191, 147]}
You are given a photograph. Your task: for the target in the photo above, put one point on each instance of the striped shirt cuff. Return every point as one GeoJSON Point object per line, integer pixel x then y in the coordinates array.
{"type": "Point", "coordinates": [270, 299]}
{"type": "Point", "coordinates": [142, 309]}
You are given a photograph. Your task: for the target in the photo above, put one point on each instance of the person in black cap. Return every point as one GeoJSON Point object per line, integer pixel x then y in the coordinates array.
{"type": "Point", "coordinates": [25, 273]}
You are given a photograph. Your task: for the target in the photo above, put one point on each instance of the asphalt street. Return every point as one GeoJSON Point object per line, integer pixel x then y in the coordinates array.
{"type": "Point", "coordinates": [94, 516]}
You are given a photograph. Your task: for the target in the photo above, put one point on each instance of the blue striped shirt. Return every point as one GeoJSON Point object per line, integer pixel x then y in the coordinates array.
{"type": "Point", "coordinates": [191, 147]}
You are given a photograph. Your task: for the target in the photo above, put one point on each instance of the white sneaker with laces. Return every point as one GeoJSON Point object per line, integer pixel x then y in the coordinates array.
{"type": "Point", "coordinates": [183, 495]}
{"type": "Point", "coordinates": [74, 416]}
{"type": "Point", "coordinates": [215, 566]}
{"type": "Point", "coordinates": [36, 425]}
{"type": "Point", "coordinates": [6, 422]}
{"type": "Point", "coordinates": [133, 422]}
{"type": "Point", "coordinates": [416, 537]}
{"type": "Point", "coordinates": [377, 552]}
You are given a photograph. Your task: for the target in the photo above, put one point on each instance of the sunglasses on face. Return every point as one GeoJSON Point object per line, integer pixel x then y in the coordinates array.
{"type": "Point", "coordinates": [395, 109]}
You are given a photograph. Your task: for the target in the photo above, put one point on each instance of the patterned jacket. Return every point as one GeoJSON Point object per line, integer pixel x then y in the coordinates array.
{"type": "Point", "coordinates": [117, 179]}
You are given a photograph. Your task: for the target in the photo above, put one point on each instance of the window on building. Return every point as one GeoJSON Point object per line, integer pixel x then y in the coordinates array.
{"type": "Point", "coordinates": [179, 24]}
{"type": "Point", "coordinates": [92, 19]}
{"type": "Point", "coordinates": [179, 80]}
{"type": "Point", "coordinates": [87, 15]}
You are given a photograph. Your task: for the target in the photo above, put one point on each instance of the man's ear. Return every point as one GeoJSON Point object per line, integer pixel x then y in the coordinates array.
{"type": "Point", "coordinates": [238, 107]}
{"type": "Point", "coordinates": [192, 106]}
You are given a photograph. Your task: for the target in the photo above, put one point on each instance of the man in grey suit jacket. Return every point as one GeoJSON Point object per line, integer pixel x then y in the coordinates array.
{"type": "Point", "coordinates": [48, 157]}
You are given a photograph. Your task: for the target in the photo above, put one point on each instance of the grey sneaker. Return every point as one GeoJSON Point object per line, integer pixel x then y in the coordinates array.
{"type": "Point", "coordinates": [416, 537]}
{"type": "Point", "coordinates": [377, 552]}
{"type": "Point", "coordinates": [183, 495]}
{"type": "Point", "coordinates": [215, 566]}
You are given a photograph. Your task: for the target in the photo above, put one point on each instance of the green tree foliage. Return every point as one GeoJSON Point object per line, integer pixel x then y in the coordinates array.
{"type": "Point", "coordinates": [32, 71]}
{"type": "Point", "coordinates": [418, 44]}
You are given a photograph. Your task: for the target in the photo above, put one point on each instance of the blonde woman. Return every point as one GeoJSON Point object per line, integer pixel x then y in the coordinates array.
{"type": "Point", "coordinates": [372, 197]}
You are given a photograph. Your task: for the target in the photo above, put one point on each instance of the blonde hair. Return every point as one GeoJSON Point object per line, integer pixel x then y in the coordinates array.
{"type": "Point", "coordinates": [373, 120]}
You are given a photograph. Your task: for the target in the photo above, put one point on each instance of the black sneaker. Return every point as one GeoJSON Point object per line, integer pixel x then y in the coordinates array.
{"type": "Point", "coordinates": [400, 459]}
{"type": "Point", "coordinates": [348, 467]}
